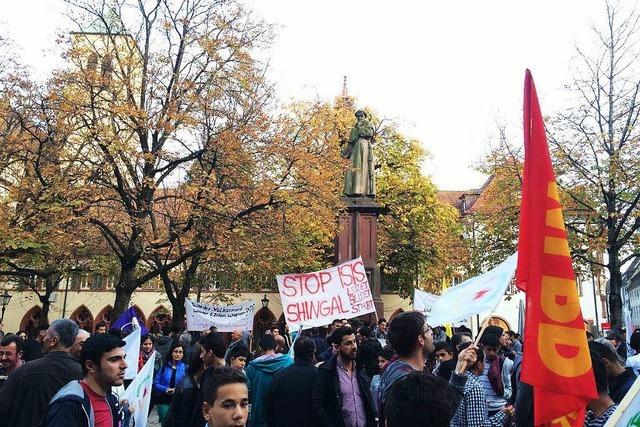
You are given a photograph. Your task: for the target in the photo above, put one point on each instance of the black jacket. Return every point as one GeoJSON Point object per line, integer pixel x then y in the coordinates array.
{"type": "Point", "coordinates": [72, 406]}
{"type": "Point", "coordinates": [367, 356]}
{"type": "Point", "coordinates": [326, 399]}
{"type": "Point", "coordinates": [620, 385]}
{"type": "Point", "coordinates": [291, 388]}
{"type": "Point", "coordinates": [182, 403]}
{"type": "Point", "coordinates": [28, 390]}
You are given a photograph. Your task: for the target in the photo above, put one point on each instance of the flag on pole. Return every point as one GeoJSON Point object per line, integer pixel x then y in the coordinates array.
{"type": "Point", "coordinates": [132, 350]}
{"type": "Point", "coordinates": [138, 394]}
{"type": "Point", "coordinates": [556, 356]}
{"type": "Point", "coordinates": [124, 322]}
{"type": "Point", "coordinates": [474, 296]}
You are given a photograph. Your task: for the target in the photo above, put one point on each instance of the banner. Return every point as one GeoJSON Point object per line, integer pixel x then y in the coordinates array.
{"type": "Point", "coordinates": [226, 318]}
{"type": "Point", "coordinates": [556, 360]}
{"type": "Point", "coordinates": [138, 394]}
{"type": "Point", "coordinates": [628, 411]}
{"type": "Point", "coordinates": [424, 302]}
{"type": "Point", "coordinates": [132, 350]}
{"type": "Point", "coordinates": [124, 322]}
{"type": "Point", "coordinates": [474, 296]}
{"type": "Point", "coordinates": [315, 299]}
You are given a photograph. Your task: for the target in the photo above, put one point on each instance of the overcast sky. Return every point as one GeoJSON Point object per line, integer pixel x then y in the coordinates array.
{"type": "Point", "coordinates": [443, 70]}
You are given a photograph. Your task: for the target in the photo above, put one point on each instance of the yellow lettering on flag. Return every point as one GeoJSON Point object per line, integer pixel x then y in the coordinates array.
{"type": "Point", "coordinates": [556, 246]}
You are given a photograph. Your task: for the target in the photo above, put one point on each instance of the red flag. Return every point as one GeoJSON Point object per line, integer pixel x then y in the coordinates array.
{"type": "Point", "coordinates": [556, 355]}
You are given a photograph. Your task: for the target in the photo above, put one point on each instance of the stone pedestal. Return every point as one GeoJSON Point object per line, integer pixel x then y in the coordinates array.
{"type": "Point", "coordinates": [358, 236]}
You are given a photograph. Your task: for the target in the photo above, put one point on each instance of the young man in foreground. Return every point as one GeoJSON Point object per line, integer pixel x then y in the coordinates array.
{"type": "Point", "coordinates": [226, 398]}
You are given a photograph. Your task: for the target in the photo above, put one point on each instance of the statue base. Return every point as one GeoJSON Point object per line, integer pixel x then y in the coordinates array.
{"type": "Point", "coordinates": [358, 236]}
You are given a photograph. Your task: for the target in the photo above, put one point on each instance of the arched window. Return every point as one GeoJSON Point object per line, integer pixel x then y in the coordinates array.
{"type": "Point", "coordinates": [159, 319]}
{"type": "Point", "coordinates": [31, 320]}
{"type": "Point", "coordinates": [262, 321]}
{"type": "Point", "coordinates": [104, 315]}
{"type": "Point", "coordinates": [83, 317]}
{"type": "Point", "coordinates": [107, 68]}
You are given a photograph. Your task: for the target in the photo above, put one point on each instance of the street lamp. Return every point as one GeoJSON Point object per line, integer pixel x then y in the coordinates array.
{"type": "Point", "coordinates": [265, 301]}
{"type": "Point", "coordinates": [4, 302]}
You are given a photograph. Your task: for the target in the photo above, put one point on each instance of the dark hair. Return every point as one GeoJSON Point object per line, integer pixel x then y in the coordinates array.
{"type": "Point", "coordinates": [336, 320]}
{"type": "Point", "coordinates": [218, 378]}
{"type": "Point", "coordinates": [490, 340]}
{"type": "Point", "coordinates": [604, 350]}
{"type": "Point", "coordinates": [196, 366]}
{"type": "Point", "coordinates": [420, 393]}
{"type": "Point", "coordinates": [146, 337]}
{"type": "Point", "coordinates": [238, 351]}
{"type": "Point", "coordinates": [599, 371]}
{"type": "Point", "coordinates": [168, 359]}
{"type": "Point", "coordinates": [66, 330]}
{"type": "Point", "coordinates": [634, 341]}
{"type": "Point", "coordinates": [267, 342]}
{"type": "Point", "coordinates": [387, 353]}
{"type": "Point", "coordinates": [479, 350]}
{"type": "Point", "coordinates": [382, 319]}
{"type": "Point", "coordinates": [214, 341]}
{"type": "Point", "coordinates": [456, 340]}
{"type": "Point", "coordinates": [442, 345]}
{"type": "Point", "coordinates": [100, 325]}
{"type": "Point", "coordinates": [340, 333]}
{"type": "Point", "coordinates": [97, 345]}
{"type": "Point", "coordinates": [304, 349]}
{"type": "Point", "coordinates": [8, 339]}
{"type": "Point", "coordinates": [404, 331]}
{"type": "Point", "coordinates": [365, 331]}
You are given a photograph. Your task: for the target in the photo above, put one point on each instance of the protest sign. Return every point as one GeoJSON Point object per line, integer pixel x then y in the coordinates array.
{"type": "Point", "coordinates": [132, 350]}
{"type": "Point", "coordinates": [226, 318]}
{"type": "Point", "coordinates": [138, 394]}
{"type": "Point", "coordinates": [315, 299]}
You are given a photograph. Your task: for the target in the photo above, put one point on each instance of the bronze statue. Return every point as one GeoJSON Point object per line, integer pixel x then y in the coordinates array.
{"type": "Point", "coordinates": [359, 179]}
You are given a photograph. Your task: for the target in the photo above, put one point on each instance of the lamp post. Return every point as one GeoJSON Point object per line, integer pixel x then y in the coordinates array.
{"type": "Point", "coordinates": [265, 301]}
{"type": "Point", "coordinates": [4, 302]}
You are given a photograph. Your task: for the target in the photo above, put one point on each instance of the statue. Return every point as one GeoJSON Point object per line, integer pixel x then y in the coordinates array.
{"type": "Point", "coordinates": [359, 180]}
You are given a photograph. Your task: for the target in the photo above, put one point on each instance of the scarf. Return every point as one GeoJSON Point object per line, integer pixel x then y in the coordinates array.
{"type": "Point", "coordinates": [495, 375]}
{"type": "Point", "coordinates": [145, 356]}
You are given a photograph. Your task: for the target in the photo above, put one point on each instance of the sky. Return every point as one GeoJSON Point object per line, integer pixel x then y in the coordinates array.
{"type": "Point", "coordinates": [445, 71]}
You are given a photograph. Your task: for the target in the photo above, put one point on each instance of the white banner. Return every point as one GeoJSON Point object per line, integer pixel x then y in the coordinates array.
{"type": "Point", "coordinates": [138, 394]}
{"type": "Point", "coordinates": [315, 299]}
{"type": "Point", "coordinates": [132, 350]}
{"type": "Point", "coordinates": [424, 302]}
{"type": "Point", "coordinates": [226, 318]}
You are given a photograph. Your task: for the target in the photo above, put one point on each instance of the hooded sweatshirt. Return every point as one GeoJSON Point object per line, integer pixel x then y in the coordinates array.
{"type": "Point", "coordinates": [259, 374]}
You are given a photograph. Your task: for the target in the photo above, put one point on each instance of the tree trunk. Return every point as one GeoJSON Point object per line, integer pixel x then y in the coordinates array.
{"type": "Point", "coordinates": [615, 284]}
{"type": "Point", "coordinates": [44, 319]}
{"type": "Point", "coordinates": [124, 289]}
{"type": "Point", "coordinates": [177, 317]}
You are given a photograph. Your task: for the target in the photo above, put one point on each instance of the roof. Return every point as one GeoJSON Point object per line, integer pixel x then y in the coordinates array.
{"type": "Point", "coordinates": [465, 201]}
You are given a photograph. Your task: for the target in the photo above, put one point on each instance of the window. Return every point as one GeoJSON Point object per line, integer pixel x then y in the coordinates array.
{"type": "Point", "coordinates": [92, 62]}
{"type": "Point", "coordinates": [107, 68]}
{"type": "Point", "coordinates": [97, 281]}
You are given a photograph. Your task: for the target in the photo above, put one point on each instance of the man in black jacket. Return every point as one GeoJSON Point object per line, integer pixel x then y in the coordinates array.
{"type": "Point", "coordinates": [291, 388]}
{"type": "Point", "coordinates": [89, 402]}
{"type": "Point", "coordinates": [28, 390]}
{"type": "Point", "coordinates": [341, 396]}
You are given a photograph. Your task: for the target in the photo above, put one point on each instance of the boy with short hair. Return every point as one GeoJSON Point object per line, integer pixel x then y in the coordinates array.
{"type": "Point", "coordinates": [238, 357]}
{"type": "Point", "coordinates": [226, 398]}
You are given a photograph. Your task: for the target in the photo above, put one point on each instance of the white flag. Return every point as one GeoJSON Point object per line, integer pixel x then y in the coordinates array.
{"type": "Point", "coordinates": [424, 302]}
{"type": "Point", "coordinates": [138, 394]}
{"type": "Point", "coordinates": [474, 296]}
{"type": "Point", "coordinates": [132, 350]}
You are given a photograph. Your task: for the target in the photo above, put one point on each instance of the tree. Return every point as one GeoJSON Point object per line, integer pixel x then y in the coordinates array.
{"type": "Point", "coordinates": [420, 240]}
{"type": "Point", "coordinates": [159, 89]}
{"type": "Point", "coordinates": [597, 151]}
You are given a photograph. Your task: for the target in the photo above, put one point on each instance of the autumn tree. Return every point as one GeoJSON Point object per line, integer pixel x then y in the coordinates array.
{"type": "Point", "coordinates": [420, 239]}
{"type": "Point", "coordinates": [597, 150]}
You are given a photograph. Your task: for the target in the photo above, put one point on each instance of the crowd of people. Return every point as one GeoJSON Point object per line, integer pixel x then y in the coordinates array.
{"type": "Point", "coordinates": [404, 373]}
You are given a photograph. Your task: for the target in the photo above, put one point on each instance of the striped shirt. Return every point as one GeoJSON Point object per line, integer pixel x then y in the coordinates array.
{"type": "Point", "coordinates": [591, 421]}
{"type": "Point", "coordinates": [494, 402]}
{"type": "Point", "coordinates": [472, 411]}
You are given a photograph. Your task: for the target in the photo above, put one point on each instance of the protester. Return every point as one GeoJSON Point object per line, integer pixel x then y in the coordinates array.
{"type": "Point", "coordinates": [238, 358]}
{"type": "Point", "coordinates": [76, 348]}
{"type": "Point", "coordinates": [412, 339]}
{"type": "Point", "coordinates": [101, 328]}
{"type": "Point", "coordinates": [420, 399]}
{"type": "Point", "coordinates": [496, 377]}
{"type": "Point", "coordinates": [516, 345]}
{"type": "Point", "coordinates": [20, 404]}
{"type": "Point", "coordinates": [212, 351]}
{"type": "Point", "coordinates": [147, 349]}
{"type": "Point", "coordinates": [280, 344]}
{"type": "Point", "coordinates": [226, 399]}
{"type": "Point", "coordinates": [473, 410]}
{"type": "Point", "coordinates": [603, 407]}
{"type": "Point", "coordinates": [368, 352]}
{"type": "Point", "coordinates": [321, 343]}
{"type": "Point", "coordinates": [10, 356]}
{"type": "Point", "coordinates": [381, 330]}
{"type": "Point", "coordinates": [32, 349]}
{"type": "Point", "coordinates": [165, 381]}
{"type": "Point", "coordinates": [447, 367]}
{"type": "Point", "coordinates": [386, 355]}
{"type": "Point", "coordinates": [443, 353]}
{"type": "Point", "coordinates": [619, 344]}
{"type": "Point", "coordinates": [259, 375]}
{"type": "Point", "coordinates": [292, 387]}
{"type": "Point", "coordinates": [184, 397]}
{"type": "Point", "coordinates": [341, 393]}
{"type": "Point", "coordinates": [286, 334]}
{"type": "Point", "coordinates": [190, 352]}
{"type": "Point", "coordinates": [89, 402]}
{"type": "Point", "coordinates": [236, 341]}
{"type": "Point", "coordinates": [620, 379]}
{"type": "Point", "coordinates": [633, 362]}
